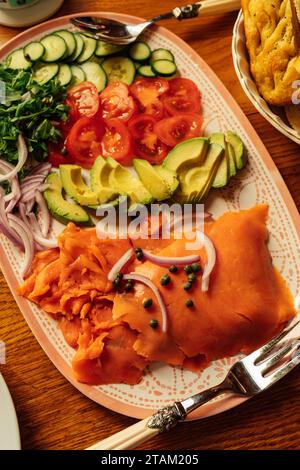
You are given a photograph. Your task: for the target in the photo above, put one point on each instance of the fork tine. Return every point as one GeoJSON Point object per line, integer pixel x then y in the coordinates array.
{"type": "Point", "coordinates": [262, 352]}
{"type": "Point", "coordinates": [285, 369]}
{"type": "Point", "coordinates": [274, 359]}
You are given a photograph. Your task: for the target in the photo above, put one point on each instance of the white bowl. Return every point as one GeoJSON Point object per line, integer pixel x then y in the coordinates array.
{"type": "Point", "coordinates": [275, 116]}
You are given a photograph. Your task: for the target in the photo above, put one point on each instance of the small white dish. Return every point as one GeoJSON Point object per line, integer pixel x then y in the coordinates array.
{"type": "Point", "coordinates": [9, 428]}
{"type": "Point", "coordinates": [275, 116]}
{"type": "Point", "coordinates": [30, 15]}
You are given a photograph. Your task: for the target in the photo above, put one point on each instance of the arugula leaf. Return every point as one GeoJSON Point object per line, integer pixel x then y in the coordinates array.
{"type": "Point", "coordinates": [30, 109]}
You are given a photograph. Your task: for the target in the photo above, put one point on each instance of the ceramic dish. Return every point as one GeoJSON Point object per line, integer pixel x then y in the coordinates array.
{"type": "Point", "coordinates": [275, 116]}
{"type": "Point", "coordinates": [258, 182]}
{"type": "Point", "coordinates": [9, 429]}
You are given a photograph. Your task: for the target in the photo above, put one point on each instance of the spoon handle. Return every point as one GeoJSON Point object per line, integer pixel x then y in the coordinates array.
{"type": "Point", "coordinates": [206, 7]}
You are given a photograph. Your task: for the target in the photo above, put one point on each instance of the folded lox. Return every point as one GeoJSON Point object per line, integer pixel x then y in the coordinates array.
{"type": "Point", "coordinates": [247, 302]}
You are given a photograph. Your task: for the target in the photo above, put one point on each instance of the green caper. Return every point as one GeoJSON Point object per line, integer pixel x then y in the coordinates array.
{"type": "Point", "coordinates": [189, 303]}
{"type": "Point", "coordinates": [173, 269]}
{"type": "Point", "coordinates": [153, 323]}
{"type": "Point", "coordinates": [187, 286]}
{"type": "Point", "coordinates": [147, 303]}
{"type": "Point", "coordinates": [165, 280]}
{"type": "Point", "coordinates": [188, 269]}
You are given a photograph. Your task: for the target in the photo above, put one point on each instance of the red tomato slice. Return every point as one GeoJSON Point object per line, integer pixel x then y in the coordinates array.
{"type": "Point", "coordinates": [175, 105]}
{"type": "Point", "coordinates": [146, 143]}
{"type": "Point", "coordinates": [83, 100]}
{"type": "Point", "coordinates": [116, 102]}
{"type": "Point", "coordinates": [147, 92]}
{"type": "Point", "coordinates": [176, 129]}
{"type": "Point", "coordinates": [55, 156]}
{"type": "Point", "coordinates": [84, 141]}
{"type": "Point", "coordinates": [183, 87]}
{"type": "Point", "coordinates": [117, 141]}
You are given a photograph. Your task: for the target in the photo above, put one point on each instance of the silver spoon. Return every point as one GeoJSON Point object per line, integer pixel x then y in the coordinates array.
{"type": "Point", "coordinates": [116, 32]}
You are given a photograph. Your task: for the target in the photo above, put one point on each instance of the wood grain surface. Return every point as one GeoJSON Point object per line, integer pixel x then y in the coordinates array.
{"type": "Point", "coordinates": [54, 415]}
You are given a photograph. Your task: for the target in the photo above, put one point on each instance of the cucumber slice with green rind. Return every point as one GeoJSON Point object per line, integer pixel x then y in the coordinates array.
{"type": "Point", "coordinates": [78, 49]}
{"type": "Point", "coordinates": [95, 74]}
{"type": "Point", "coordinates": [34, 51]}
{"type": "Point", "coordinates": [16, 60]}
{"type": "Point", "coordinates": [119, 68]}
{"type": "Point", "coordinates": [139, 51]}
{"type": "Point", "coordinates": [55, 48]}
{"type": "Point", "coordinates": [164, 67]}
{"type": "Point", "coordinates": [89, 48]}
{"type": "Point", "coordinates": [64, 75]}
{"type": "Point", "coordinates": [146, 71]}
{"type": "Point", "coordinates": [78, 74]}
{"type": "Point", "coordinates": [104, 49]}
{"type": "Point", "coordinates": [43, 73]}
{"type": "Point", "coordinates": [162, 54]}
{"type": "Point", "coordinates": [69, 40]}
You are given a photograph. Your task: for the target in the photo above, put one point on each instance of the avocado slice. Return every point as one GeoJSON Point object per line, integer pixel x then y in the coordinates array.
{"type": "Point", "coordinates": [196, 182]}
{"type": "Point", "coordinates": [223, 173]}
{"type": "Point", "coordinates": [75, 187]}
{"type": "Point", "coordinates": [240, 153]}
{"type": "Point", "coordinates": [151, 179]}
{"type": "Point", "coordinates": [188, 153]}
{"type": "Point", "coordinates": [61, 209]}
{"type": "Point", "coordinates": [123, 181]}
{"type": "Point", "coordinates": [99, 181]}
{"type": "Point", "coordinates": [169, 177]}
{"type": "Point", "coordinates": [231, 157]}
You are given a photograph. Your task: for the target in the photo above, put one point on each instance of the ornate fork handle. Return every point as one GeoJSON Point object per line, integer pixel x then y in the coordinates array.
{"type": "Point", "coordinates": [180, 13]}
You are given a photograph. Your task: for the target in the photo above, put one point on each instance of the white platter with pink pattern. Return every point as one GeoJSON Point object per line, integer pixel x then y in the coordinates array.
{"type": "Point", "coordinates": [259, 182]}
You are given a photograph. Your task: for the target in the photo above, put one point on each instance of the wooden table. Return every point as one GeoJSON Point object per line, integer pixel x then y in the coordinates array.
{"type": "Point", "coordinates": [54, 415]}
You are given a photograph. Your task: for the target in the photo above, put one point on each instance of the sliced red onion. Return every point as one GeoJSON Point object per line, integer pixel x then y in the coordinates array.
{"type": "Point", "coordinates": [25, 234]}
{"type": "Point", "coordinates": [13, 197]}
{"type": "Point", "coordinates": [42, 169]}
{"type": "Point", "coordinates": [23, 153]}
{"type": "Point", "coordinates": [171, 260]}
{"type": "Point", "coordinates": [120, 264]}
{"type": "Point", "coordinates": [211, 261]}
{"type": "Point", "coordinates": [4, 226]}
{"type": "Point", "coordinates": [145, 280]}
{"type": "Point", "coordinates": [45, 215]}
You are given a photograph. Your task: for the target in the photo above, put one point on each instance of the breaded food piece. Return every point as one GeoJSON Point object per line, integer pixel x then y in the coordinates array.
{"type": "Point", "coordinates": [272, 34]}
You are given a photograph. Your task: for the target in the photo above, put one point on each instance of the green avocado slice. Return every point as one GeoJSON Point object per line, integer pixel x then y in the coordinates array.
{"type": "Point", "coordinates": [186, 154]}
{"type": "Point", "coordinates": [151, 179]}
{"type": "Point", "coordinates": [61, 209]}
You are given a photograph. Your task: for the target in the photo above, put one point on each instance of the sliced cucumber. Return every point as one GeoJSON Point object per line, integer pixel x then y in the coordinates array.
{"type": "Point", "coordinates": [95, 74]}
{"type": "Point", "coordinates": [119, 69]}
{"type": "Point", "coordinates": [103, 49]}
{"type": "Point", "coordinates": [43, 73]}
{"type": "Point", "coordinates": [34, 51]}
{"type": "Point", "coordinates": [89, 48]}
{"type": "Point", "coordinates": [64, 75]}
{"type": "Point", "coordinates": [146, 71]}
{"type": "Point", "coordinates": [55, 48]}
{"type": "Point", "coordinates": [16, 60]}
{"type": "Point", "coordinates": [69, 40]}
{"type": "Point", "coordinates": [78, 49]}
{"type": "Point", "coordinates": [164, 67]}
{"type": "Point", "coordinates": [78, 74]}
{"type": "Point", "coordinates": [139, 51]}
{"type": "Point", "coordinates": [162, 54]}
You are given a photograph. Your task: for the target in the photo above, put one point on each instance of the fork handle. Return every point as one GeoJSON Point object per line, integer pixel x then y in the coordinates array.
{"type": "Point", "coordinates": [163, 420]}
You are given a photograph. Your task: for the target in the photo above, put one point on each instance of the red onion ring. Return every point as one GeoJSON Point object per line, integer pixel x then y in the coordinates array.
{"type": "Point", "coordinates": [120, 264]}
{"type": "Point", "coordinates": [170, 260]}
{"type": "Point", "coordinates": [145, 280]}
{"type": "Point", "coordinates": [45, 215]}
{"type": "Point", "coordinates": [25, 234]}
{"type": "Point", "coordinates": [23, 153]}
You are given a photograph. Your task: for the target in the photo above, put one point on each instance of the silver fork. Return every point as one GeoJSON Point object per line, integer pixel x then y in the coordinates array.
{"type": "Point", "coordinates": [247, 377]}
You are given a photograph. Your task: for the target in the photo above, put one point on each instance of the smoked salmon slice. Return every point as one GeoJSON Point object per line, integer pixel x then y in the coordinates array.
{"type": "Point", "coordinates": [247, 302]}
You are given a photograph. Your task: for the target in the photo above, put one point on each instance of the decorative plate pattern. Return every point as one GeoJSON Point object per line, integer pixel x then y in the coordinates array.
{"type": "Point", "coordinates": [259, 182]}
{"type": "Point", "coordinates": [241, 65]}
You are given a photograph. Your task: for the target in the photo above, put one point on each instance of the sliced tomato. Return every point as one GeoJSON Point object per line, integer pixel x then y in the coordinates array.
{"type": "Point", "coordinates": [183, 87]}
{"type": "Point", "coordinates": [146, 143]}
{"type": "Point", "coordinates": [174, 105]}
{"type": "Point", "coordinates": [117, 141]}
{"type": "Point", "coordinates": [147, 92]}
{"type": "Point", "coordinates": [55, 157]}
{"type": "Point", "coordinates": [176, 129]}
{"type": "Point", "coordinates": [83, 100]}
{"type": "Point", "coordinates": [84, 141]}
{"type": "Point", "coordinates": [117, 103]}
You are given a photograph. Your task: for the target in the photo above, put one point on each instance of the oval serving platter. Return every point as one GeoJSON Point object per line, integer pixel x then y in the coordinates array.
{"type": "Point", "coordinates": [259, 182]}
